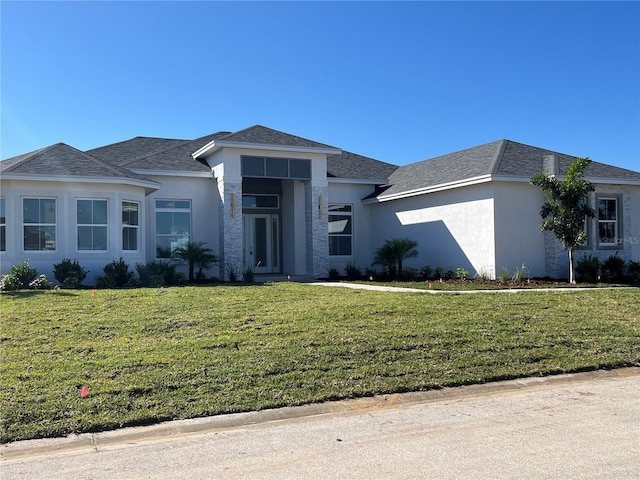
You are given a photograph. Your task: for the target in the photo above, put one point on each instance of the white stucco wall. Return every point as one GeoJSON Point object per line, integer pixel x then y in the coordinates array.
{"type": "Point", "coordinates": [519, 240]}
{"type": "Point", "coordinates": [352, 194]}
{"type": "Point", "coordinates": [453, 228]}
{"type": "Point", "coordinates": [204, 197]}
{"type": "Point", "coordinates": [66, 194]}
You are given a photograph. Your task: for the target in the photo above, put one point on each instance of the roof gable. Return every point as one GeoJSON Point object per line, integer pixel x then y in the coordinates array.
{"type": "Point", "coordinates": [259, 134]}
{"type": "Point", "coordinates": [502, 158]}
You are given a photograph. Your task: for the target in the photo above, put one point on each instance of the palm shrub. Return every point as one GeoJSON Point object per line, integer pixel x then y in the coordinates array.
{"type": "Point", "coordinates": [195, 255]}
{"type": "Point", "coordinates": [69, 273]}
{"type": "Point", "coordinates": [394, 252]}
{"type": "Point", "coordinates": [633, 271]}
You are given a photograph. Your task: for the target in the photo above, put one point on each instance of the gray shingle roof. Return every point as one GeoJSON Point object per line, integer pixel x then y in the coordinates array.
{"type": "Point", "coordinates": [63, 160]}
{"type": "Point", "coordinates": [127, 151]}
{"type": "Point", "coordinates": [500, 158]}
{"type": "Point", "coordinates": [352, 165]}
{"type": "Point", "coordinates": [267, 136]}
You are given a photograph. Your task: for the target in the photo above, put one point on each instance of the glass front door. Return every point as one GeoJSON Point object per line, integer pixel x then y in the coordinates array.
{"type": "Point", "coordinates": [262, 242]}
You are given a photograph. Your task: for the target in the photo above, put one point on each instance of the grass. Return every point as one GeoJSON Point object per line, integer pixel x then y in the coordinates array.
{"type": "Point", "coordinates": [149, 355]}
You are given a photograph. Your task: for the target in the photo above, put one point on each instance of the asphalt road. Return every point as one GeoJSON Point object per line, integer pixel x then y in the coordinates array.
{"type": "Point", "coordinates": [583, 426]}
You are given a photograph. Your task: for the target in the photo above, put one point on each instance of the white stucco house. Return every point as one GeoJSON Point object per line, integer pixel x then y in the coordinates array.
{"type": "Point", "coordinates": [292, 206]}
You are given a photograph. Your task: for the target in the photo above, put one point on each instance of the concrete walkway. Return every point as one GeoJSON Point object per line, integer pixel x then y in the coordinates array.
{"type": "Point", "coordinates": [584, 425]}
{"type": "Point", "coordinates": [384, 288]}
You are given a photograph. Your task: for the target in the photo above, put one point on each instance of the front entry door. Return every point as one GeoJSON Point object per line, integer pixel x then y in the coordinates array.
{"type": "Point", "coordinates": [262, 242]}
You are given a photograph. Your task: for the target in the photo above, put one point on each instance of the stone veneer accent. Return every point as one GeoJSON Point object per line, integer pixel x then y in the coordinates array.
{"type": "Point", "coordinates": [317, 229]}
{"type": "Point", "coordinates": [230, 223]}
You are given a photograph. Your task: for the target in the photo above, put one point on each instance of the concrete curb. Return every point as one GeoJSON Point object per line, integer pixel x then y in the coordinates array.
{"type": "Point", "coordinates": [168, 431]}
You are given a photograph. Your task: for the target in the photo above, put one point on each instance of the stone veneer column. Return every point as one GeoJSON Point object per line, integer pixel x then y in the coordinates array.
{"type": "Point", "coordinates": [317, 229]}
{"type": "Point", "coordinates": [230, 224]}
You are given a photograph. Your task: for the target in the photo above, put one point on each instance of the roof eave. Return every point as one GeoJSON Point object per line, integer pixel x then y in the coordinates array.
{"type": "Point", "coordinates": [362, 181]}
{"type": "Point", "coordinates": [148, 185]}
{"type": "Point", "coordinates": [431, 189]}
{"type": "Point", "coordinates": [214, 145]}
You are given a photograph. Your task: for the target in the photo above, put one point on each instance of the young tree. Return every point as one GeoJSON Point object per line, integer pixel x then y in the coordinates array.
{"type": "Point", "coordinates": [394, 252]}
{"type": "Point", "coordinates": [195, 254]}
{"type": "Point", "coordinates": [566, 206]}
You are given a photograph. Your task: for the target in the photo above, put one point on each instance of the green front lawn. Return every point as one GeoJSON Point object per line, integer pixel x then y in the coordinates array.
{"type": "Point", "coordinates": [148, 355]}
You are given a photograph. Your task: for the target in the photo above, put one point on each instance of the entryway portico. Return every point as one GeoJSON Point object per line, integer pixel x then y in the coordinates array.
{"type": "Point", "coordinates": [272, 208]}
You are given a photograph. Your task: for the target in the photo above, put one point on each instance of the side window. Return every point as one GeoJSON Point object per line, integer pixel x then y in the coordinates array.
{"type": "Point", "coordinates": [340, 230]}
{"type": "Point", "coordinates": [39, 223]}
{"type": "Point", "coordinates": [130, 225]}
{"type": "Point", "coordinates": [173, 225]}
{"type": "Point", "coordinates": [608, 211]}
{"type": "Point", "coordinates": [92, 222]}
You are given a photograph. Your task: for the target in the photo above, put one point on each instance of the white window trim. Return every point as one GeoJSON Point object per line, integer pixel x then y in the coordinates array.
{"type": "Point", "coordinates": [3, 223]}
{"type": "Point", "coordinates": [78, 225]}
{"type": "Point", "coordinates": [54, 225]}
{"type": "Point", "coordinates": [350, 213]}
{"type": "Point", "coordinates": [167, 209]}
{"type": "Point", "coordinates": [136, 227]}
{"type": "Point", "coordinates": [617, 223]}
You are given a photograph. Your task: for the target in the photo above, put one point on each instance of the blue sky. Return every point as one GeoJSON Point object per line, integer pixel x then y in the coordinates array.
{"type": "Point", "coordinates": [396, 81]}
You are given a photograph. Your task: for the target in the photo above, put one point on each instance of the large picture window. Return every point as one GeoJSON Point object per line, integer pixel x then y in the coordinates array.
{"type": "Point", "coordinates": [3, 227]}
{"type": "Point", "coordinates": [130, 225]}
{"type": "Point", "coordinates": [92, 222]}
{"type": "Point", "coordinates": [39, 223]}
{"type": "Point", "coordinates": [340, 230]}
{"type": "Point", "coordinates": [173, 225]}
{"type": "Point", "coordinates": [608, 222]}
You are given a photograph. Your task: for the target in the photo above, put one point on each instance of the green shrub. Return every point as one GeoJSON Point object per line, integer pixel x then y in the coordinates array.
{"type": "Point", "coordinates": [483, 275]}
{"type": "Point", "coordinates": [232, 272]}
{"type": "Point", "coordinates": [462, 274]}
{"type": "Point", "coordinates": [613, 268]}
{"type": "Point", "coordinates": [426, 272]}
{"type": "Point", "coordinates": [334, 273]}
{"type": "Point", "coordinates": [19, 277]}
{"type": "Point", "coordinates": [248, 275]}
{"type": "Point", "coordinates": [41, 282]}
{"type": "Point", "coordinates": [69, 273]}
{"type": "Point", "coordinates": [352, 271]}
{"type": "Point", "coordinates": [587, 268]}
{"type": "Point", "coordinates": [158, 274]}
{"type": "Point", "coordinates": [633, 271]}
{"type": "Point", "coordinates": [505, 275]}
{"type": "Point", "coordinates": [438, 273]}
{"type": "Point", "coordinates": [409, 273]}
{"type": "Point", "coordinates": [116, 275]}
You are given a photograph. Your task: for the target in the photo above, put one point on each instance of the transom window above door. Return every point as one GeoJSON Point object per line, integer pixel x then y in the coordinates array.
{"type": "Point", "coordinates": [275, 167]}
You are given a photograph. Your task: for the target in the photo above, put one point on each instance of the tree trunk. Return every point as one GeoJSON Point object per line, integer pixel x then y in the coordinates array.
{"type": "Point", "coordinates": [570, 265]}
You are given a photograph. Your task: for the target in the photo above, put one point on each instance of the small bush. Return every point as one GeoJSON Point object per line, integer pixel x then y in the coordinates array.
{"type": "Point", "coordinates": [587, 268]}
{"type": "Point", "coordinates": [370, 272]}
{"type": "Point", "coordinates": [19, 277]}
{"type": "Point", "coordinates": [426, 272]}
{"type": "Point", "coordinates": [158, 274]}
{"type": "Point", "coordinates": [334, 273]}
{"type": "Point", "coordinates": [116, 275]}
{"type": "Point", "coordinates": [633, 271]}
{"type": "Point", "coordinates": [505, 275]}
{"type": "Point", "coordinates": [41, 283]}
{"type": "Point", "coordinates": [518, 275]}
{"type": "Point", "coordinates": [438, 273]}
{"type": "Point", "coordinates": [613, 268]}
{"type": "Point", "coordinates": [69, 273]}
{"type": "Point", "coordinates": [232, 272]}
{"type": "Point", "coordinates": [462, 274]}
{"type": "Point", "coordinates": [483, 275]}
{"type": "Point", "coordinates": [352, 271]}
{"type": "Point", "coordinates": [409, 273]}
{"type": "Point", "coordinates": [248, 275]}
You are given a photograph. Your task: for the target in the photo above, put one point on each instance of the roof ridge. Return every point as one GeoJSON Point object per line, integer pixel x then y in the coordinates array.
{"type": "Point", "coordinates": [31, 156]}
{"type": "Point", "coordinates": [495, 166]}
